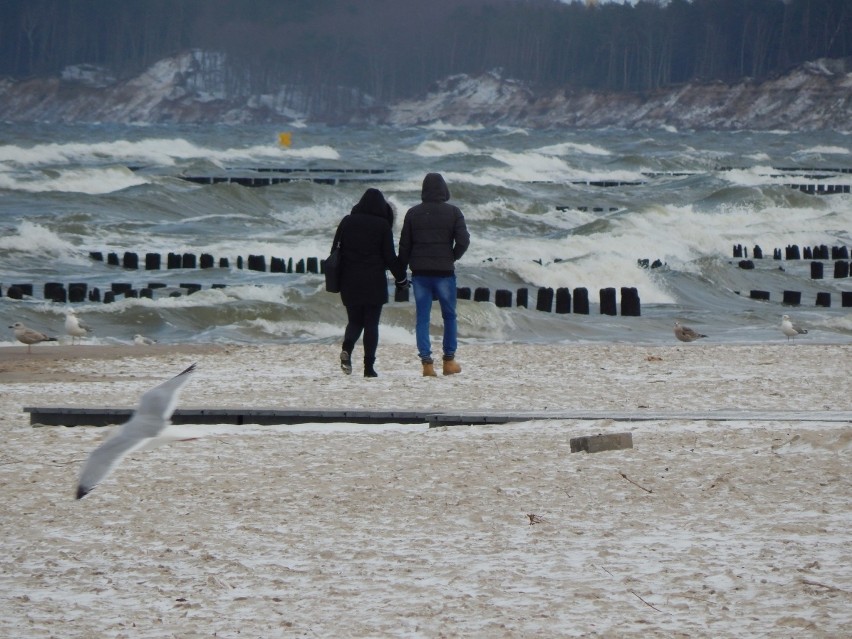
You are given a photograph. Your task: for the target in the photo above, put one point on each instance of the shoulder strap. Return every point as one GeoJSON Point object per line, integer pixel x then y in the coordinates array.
{"type": "Point", "coordinates": [336, 242]}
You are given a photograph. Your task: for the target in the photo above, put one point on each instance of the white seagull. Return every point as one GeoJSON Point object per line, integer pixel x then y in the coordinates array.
{"type": "Point", "coordinates": [789, 328]}
{"type": "Point", "coordinates": [29, 336]}
{"type": "Point", "coordinates": [141, 340]}
{"type": "Point", "coordinates": [143, 431]}
{"type": "Point", "coordinates": [74, 326]}
{"type": "Point", "coordinates": [686, 334]}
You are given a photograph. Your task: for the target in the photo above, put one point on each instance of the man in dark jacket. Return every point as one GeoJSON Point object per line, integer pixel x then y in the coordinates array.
{"type": "Point", "coordinates": [434, 235]}
{"type": "Point", "coordinates": [366, 245]}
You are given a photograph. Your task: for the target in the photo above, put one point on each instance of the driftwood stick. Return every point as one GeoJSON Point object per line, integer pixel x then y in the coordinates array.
{"type": "Point", "coordinates": [605, 570]}
{"type": "Point", "coordinates": [809, 582]}
{"type": "Point", "coordinates": [633, 592]}
{"type": "Point", "coordinates": [647, 490]}
{"type": "Point", "coordinates": [53, 462]}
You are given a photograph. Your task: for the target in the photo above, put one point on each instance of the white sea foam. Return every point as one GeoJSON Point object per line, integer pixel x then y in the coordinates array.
{"type": "Point", "coordinates": [324, 330]}
{"type": "Point", "coordinates": [678, 236]}
{"type": "Point", "coordinates": [532, 166]}
{"type": "Point", "coordinates": [157, 151]}
{"type": "Point", "coordinates": [440, 125]}
{"type": "Point", "coordinates": [34, 238]}
{"type": "Point", "coordinates": [593, 272]}
{"type": "Point", "coordinates": [153, 151]}
{"type": "Point", "coordinates": [842, 323]}
{"type": "Point", "coordinates": [439, 148]}
{"type": "Point", "coordinates": [824, 150]}
{"type": "Point", "coordinates": [572, 148]}
{"type": "Point", "coordinates": [89, 180]}
{"type": "Point", "coordinates": [316, 330]}
{"type": "Point", "coordinates": [512, 130]}
{"type": "Point", "coordinates": [758, 157]}
{"type": "Point", "coordinates": [267, 152]}
{"type": "Point", "coordinates": [526, 167]}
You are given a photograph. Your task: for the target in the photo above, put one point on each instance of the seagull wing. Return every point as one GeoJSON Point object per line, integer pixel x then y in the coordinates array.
{"type": "Point", "coordinates": [150, 419]}
{"type": "Point", "coordinates": [157, 405]}
{"type": "Point", "coordinates": [104, 459]}
{"type": "Point", "coordinates": [692, 334]}
{"type": "Point", "coordinates": [686, 334]}
{"type": "Point", "coordinates": [30, 336]}
{"type": "Point", "coordinates": [790, 328]}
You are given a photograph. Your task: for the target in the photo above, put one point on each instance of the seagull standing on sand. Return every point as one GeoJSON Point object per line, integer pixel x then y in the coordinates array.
{"type": "Point", "coordinates": [789, 328]}
{"type": "Point", "coordinates": [143, 431]}
{"type": "Point", "coordinates": [74, 326]}
{"type": "Point", "coordinates": [686, 334]}
{"type": "Point", "coordinates": [141, 340]}
{"type": "Point", "coordinates": [29, 336]}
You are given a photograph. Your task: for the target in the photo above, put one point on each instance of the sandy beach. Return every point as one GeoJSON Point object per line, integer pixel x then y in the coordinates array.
{"type": "Point", "coordinates": [702, 529]}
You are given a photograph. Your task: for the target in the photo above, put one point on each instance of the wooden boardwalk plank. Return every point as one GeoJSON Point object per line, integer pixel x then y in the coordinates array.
{"type": "Point", "coordinates": [59, 416]}
{"type": "Point", "coordinates": [448, 418]}
{"type": "Point", "coordinates": [53, 416]}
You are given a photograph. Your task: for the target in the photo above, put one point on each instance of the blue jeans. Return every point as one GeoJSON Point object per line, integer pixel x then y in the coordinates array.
{"type": "Point", "coordinates": [427, 288]}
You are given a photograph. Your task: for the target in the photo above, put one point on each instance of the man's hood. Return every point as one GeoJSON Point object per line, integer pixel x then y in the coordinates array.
{"type": "Point", "coordinates": [435, 189]}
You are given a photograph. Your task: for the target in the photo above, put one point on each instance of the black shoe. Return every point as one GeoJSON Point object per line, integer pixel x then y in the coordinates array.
{"type": "Point", "coordinates": [345, 362]}
{"type": "Point", "coordinates": [369, 371]}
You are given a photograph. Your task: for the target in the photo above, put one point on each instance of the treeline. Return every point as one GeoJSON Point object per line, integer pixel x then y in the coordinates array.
{"type": "Point", "coordinates": [392, 49]}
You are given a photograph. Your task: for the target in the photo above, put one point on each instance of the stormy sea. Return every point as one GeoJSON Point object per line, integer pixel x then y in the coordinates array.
{"type": "Point", "coordinates": [191, 234]}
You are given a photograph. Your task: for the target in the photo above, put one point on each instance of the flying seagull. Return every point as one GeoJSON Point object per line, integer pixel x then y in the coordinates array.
{"type": "Point", "coordinates": [789, 328]}
{"type": "Point", "coordinates": [143, 431]}
{"type": "Point", "coordinates": [29, 336]}
{"type": "Point", "coordinates": [686, 334]}
{"type": "Point", "coordinates": [74, 326]}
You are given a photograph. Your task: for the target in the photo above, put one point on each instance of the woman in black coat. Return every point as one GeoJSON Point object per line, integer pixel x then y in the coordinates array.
{"type": "Point", "coordinates": [366, 248]}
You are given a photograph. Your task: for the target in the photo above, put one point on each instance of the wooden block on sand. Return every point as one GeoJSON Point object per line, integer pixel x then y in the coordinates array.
{"type": "Point", "coordinates": [598, 443]}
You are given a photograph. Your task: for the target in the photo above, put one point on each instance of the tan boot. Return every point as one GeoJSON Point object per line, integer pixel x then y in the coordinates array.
{"type": "Point", "coordinates": [451, 367]}
{"type": "Point", "coordinates": [429, 370]}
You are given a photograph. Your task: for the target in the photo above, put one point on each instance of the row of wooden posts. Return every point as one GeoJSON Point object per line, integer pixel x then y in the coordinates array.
{"type": "Point", "coordinates": [794, 298]}
{"type": "Point", "coordinates": [77, 292]}
{"type": "Point", "coordinates": [841, 268]}
{"type": "Point", "coordinates": [256, 181]}
{"type": "Point", "coordinates": [154, 262]}
{"type": "Point", "coordinates": [821, 189]}
{"type": "Point", "coordinates": [792, 252]}
{"type": "Point", "coordinates": [560, 300]}
{"type": "Point", "coordinates": [564, 298]}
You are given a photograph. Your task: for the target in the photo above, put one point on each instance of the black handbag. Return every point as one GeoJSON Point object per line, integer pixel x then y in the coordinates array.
{"type": "Point", "coordinates": [332, 270]}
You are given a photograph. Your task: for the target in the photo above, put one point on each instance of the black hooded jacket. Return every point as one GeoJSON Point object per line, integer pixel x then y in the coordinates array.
{"type": "Point", "coordinates": [366, 246]}
{"type": "Point", "coordinates": [434, 234]}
